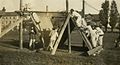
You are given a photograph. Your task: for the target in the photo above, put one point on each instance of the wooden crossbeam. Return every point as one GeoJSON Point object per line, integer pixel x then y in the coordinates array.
{"type": "Point", "coordinates": [11, 26]}
{"type": "Point", "coordinates": [92, 51]}
{"type": "Point", "coordinates": [60, 36]}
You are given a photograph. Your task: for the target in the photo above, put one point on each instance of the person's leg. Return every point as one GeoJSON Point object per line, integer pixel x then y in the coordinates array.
{"type": "Point", "coordinates": [51, 44]}
{"type": "Point", "coordinates": [100, 40]}
{"type": "Point", "coordinates": [30, 43]}
{"type": "Point", "coordinates": [94, 43]}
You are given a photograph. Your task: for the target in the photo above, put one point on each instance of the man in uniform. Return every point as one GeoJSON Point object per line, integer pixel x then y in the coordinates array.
{"type": "Point", "coordinates": [80, 22]}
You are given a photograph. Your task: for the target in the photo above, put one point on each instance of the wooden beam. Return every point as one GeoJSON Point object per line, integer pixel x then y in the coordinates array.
{"type": "Point", "coordinates": [87, 42]}
{"type": "Point", "coordinates": [67, 6]}
{"type": "Point", "coordinates": [69, 38]}
{"type": "Point", "coordinates": [99, 48]}
{"type": "Point", "coordinates": [20, 5]}
{"type": "Point", "coordinates": [60, 36]}
{"type": "Point", "coordinates": [83, 10]}
{"type": "Point", "coordinates": [21, 35]}
{"type": "Point", "coordinates": [11, 26]}
{"type": "Point", "coordinates": [0, 26]}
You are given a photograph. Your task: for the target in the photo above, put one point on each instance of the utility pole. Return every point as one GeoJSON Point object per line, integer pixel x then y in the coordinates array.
{"type": "Point", "coordinates": [69, 35]}
{"type": "Point", "coordinates": [21, 29]}
{"type": "Point", "coordinates": [20, 5]}
{"type": "Point", "coordinates": [83, 16]}
{"type": "Point", "coordinates": [83, 10]}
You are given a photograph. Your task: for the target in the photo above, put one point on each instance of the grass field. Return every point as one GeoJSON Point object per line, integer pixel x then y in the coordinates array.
{"type": "Point", "coordinates": [11, 55]}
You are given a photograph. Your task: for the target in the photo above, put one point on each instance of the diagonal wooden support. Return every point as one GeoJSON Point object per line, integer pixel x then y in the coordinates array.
{"type": "Point", "coordinates": [11, 27]}
{"type": "Point", "coordinates": [87, 42]}
{"type": "Point", "coordinates": [34, 22]}
{"type": "Point", "coordinates": [90, 52]}
{"type": "Point", "coordinates": [60, 36]}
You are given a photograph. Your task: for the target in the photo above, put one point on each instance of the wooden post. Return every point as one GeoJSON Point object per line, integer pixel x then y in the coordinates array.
{"type": "Point", "coordinates": [21, 29]}
{"type": "Point", "coordinates": [21, 35]}
{"type": "Point", "coordinates": [0, 26]}
{"type": "Point", "coordinates": [83, 16]}
{"type": "Point", "coordinates": [20, 5]}
{"type": "Point", "coordinates": [83, 10]}
{"type": "Point", "coordinates": [69, 36]}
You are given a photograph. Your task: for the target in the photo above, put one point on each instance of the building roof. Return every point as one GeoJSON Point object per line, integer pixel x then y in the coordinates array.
{"type": "Point", "coordinates": [1, 12]}
{"type": "Point", "coordinates": [8, 13]}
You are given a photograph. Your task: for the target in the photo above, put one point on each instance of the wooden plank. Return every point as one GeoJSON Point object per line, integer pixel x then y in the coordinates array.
{"type": "Point", "coordinates": [21, 34]}
{"type": "Point", "coordinates": [87, 42]}
{"type": "Point", "coordinates": [34, 22]}
{"type": "Point", "coordinates": [90, 52]}
{"type": "Point", "coordinates": [11, 27]}
{"type": "Point", "coordinates": [60, 36]}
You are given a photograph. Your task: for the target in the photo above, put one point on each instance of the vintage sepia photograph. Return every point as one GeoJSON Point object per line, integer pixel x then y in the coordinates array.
{"type": "Point", "coordinates": [59, 32]}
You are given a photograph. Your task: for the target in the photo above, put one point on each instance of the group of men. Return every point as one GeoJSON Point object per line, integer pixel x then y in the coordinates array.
{"type": "Point", "coordinates": [93, 31]}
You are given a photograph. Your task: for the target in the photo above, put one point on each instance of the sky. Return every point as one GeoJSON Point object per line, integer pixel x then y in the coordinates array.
{"type": "Point", "coordinates": [55, 5]}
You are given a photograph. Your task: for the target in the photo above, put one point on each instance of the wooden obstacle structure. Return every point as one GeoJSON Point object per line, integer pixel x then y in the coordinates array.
{"type": "Point", "coordinates": [88, 43]}
{"type": "Point", "coordinates": [84, 37]}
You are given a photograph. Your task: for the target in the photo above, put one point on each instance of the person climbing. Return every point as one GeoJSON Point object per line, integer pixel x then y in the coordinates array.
{"type": "Point", "coordinates": [80, 22]}
{"type": "Point", "coordinates": [32, 37]}
{"type": "Point", "coordinates": [53, 36]}
{"type": "Point", "coordinates": [100, 37]}
{"type": "Point", "coordinates": [93, 34]}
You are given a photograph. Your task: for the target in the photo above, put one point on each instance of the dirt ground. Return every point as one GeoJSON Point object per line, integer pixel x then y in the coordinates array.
{"type": "Point", "coordinates": [10, 54]}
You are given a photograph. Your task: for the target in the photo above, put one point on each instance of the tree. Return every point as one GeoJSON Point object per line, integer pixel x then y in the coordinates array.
{"type": "Point", "coordinates": [113, 15]}
{"type": "Point", "coordinates": [103, 14]}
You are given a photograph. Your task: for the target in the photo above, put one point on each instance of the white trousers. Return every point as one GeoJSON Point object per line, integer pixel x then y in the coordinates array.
{"type": "Point", "coordinates": [31, 42]}
{"type": "Point", "coordinates": [100, 40]}
{"type": "Point", "coordinates": [94, 39]}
